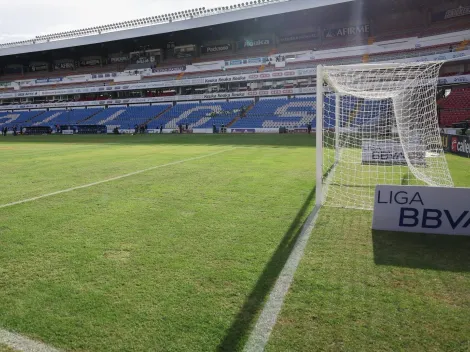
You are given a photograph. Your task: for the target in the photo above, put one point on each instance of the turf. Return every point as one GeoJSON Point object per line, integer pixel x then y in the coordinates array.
{"type": "Point", "coordinates": [360, 290]}
{"type": "Point", "coordinates": [175, 259]}
{"type": "Point", "coordinates": [182, 258]}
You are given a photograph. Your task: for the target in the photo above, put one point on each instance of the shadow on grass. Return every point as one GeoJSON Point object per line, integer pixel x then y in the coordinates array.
{"type": "Point", "coordinates": [237, 334]}
{"type": "Point", "coordinates": [281, 140]}
{"type": "Point", "coordinates": [422, 251]}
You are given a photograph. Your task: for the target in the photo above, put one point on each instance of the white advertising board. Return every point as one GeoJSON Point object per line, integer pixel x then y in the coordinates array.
{"type": "Point", "coordinates": [391, 153]}
{"type": "Point", "coordinates": [421, 209]}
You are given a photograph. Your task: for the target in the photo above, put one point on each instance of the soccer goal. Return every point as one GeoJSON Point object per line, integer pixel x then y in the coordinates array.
{"type": "Point", "coordinates": [377, 124]}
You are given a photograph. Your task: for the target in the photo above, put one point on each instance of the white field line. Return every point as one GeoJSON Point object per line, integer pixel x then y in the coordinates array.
{"type": "Point", "coordinates": [113, 178]}
{"type": "Point", "coordinates": [23, 344]}
{"type": "Point", "coordinates": [260, 335]}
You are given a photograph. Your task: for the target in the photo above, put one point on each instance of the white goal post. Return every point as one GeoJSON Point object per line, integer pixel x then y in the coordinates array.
{"type": "Point", "coordinates": [376, 124]}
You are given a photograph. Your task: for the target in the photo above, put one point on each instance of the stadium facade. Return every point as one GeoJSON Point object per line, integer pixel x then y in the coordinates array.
{"type": "Point", "coordinates": [249, 67]}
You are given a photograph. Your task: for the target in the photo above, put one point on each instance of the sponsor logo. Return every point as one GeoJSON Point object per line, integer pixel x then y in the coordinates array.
{"type": "Point", "coordinates": [253, 76]}
{"type": "Point", "coordinates": [238, 94]}
{"type": "Point", "coordinates": [64, 66]}
{"type": "Point", "coordinates": [93, 62]}
{"type": "Point", "coordinates": [258, 42]}
{"type": "Point", "coordinates": [277, 74]}
{"type": "Point", "coordinates": [35, 68]}
{"type": "Point", "coordinates": [460, 145]}
{"type": "Point", "coordinates": [145, 60]}
{"type": "Point", "coordinates": [115, 60]}
{"type": "Point", "coordinates": [461, 11]}
{"type": "Point", "coordinates": [216, 48]}
{"type": "Point", "coordinates": [299, 37]}
{"type": "Point", "coordinates": [243, 130]}
{"type": "Point", "coordinates": [362, 29]}
{"type": "Point", "coordinates": [169, 69]}
{"type": "Point", "coordinates": [289, 73]}
{"type": "Point", "coordinates": [265, 75]}
{"type": "Point", "coordinates": [391, 153]}
{"type": "Point", "coordinates": [438, 210]}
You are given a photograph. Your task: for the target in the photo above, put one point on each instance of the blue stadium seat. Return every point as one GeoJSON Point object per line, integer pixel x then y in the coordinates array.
{"type": "Point", "coordinates": [201, 115]}
{"type": "Point", "coordinates": [18, 118]}
{"type": "Point", "coordinates": [279, 112]}
{"type": "Point", "coordinates": [126, 117]}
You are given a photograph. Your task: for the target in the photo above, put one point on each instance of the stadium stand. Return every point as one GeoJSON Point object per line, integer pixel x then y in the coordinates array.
{"type": "Point", "coordinates": [201, 115]}
{"type": "Point", "coordinates": [456, 107]}
{"type": "Point", "coordinates": [248, 45]}
{"type": "Point", "coordinates": [126, 117]}
{"type": "Point", "coordinates": [17, 118]}
{"type": "Point", "coordinates": [279, 112]}
{"type": "Point", "coordinates": [64, 117]}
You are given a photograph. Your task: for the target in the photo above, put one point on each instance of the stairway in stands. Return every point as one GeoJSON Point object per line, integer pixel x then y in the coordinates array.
{"type": "Point", "coordinates": [239, 117]}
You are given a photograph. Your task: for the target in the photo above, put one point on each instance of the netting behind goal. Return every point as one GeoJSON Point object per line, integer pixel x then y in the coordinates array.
{"type": "Point", "coordinates": [378, 125]}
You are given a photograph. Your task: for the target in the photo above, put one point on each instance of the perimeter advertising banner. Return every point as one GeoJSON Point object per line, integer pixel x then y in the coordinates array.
{"type": "Point", "coordinates": [243, 130]}
{"type": "Point", "coordinates": [459, 145]}
{"type": "Point", "coordinates": [421, 209]}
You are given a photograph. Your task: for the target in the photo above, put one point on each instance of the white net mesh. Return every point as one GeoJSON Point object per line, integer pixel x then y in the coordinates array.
{"type": "Point", "coordinates": [380, 126]}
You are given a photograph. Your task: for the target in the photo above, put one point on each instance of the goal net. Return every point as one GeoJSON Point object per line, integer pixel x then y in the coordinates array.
{"type": "Point", "coordinates": [377, 124]}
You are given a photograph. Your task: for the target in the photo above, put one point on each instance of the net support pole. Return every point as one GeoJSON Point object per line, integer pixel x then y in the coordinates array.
{"type": "Point", "coordinates": [319, 138]}
{"type": "Point", "coordinates": [337, 125]}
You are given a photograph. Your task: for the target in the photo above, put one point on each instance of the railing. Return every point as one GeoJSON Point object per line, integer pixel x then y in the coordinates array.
{"type": "Point", "coordinates": [142, 22]}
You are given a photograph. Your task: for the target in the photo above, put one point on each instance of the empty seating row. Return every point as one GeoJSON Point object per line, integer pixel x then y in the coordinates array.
{"type": "Point", "coordinates": [127, 117]}
{"type": "Point", "coordinates": [455, 107]}
{"type": "Point", "coordinates": [17, 118]}
{"type": "Point", "coordinates": [275, 113]}
{"type": "Point", "coordinates": [201, 115]}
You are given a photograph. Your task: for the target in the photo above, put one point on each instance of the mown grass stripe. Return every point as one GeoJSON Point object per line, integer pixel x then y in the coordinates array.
{"type": "Point", "coordinates": [112, 179]}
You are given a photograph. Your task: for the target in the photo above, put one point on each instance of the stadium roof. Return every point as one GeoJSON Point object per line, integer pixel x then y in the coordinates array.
{"type": "Point", "coordinates": [160, 24]}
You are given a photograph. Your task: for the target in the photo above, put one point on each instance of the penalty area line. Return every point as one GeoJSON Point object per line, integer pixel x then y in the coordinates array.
{"type": "Point", "coordinates": [114, 178]}
{"type": "Point", "coordinates": [23, 344]}
{"type": "Point", "coordinates": [261, 332]}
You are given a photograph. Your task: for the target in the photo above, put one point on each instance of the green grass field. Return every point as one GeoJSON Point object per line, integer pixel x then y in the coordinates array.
{"type": "Point", "coordinates": [182, 257]}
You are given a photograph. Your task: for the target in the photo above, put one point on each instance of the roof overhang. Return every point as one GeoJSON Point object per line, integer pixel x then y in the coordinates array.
{"type": "Point", "coordinates": [227, 17]}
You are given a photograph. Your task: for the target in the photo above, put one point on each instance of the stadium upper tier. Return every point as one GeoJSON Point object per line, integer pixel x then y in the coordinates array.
{"type": "Point", "coordinates": [129, 80]}
{"type": "Point", "coordinates": [324, 32]}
